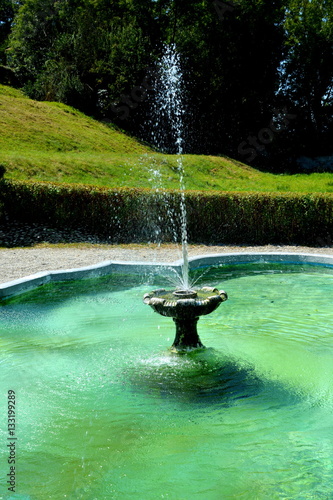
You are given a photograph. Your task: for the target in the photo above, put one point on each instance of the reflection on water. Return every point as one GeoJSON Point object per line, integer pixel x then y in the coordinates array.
{"type": "Point", "coordinates": [113, 414]}
{"type": "Point", "coordinates": [199, 379]}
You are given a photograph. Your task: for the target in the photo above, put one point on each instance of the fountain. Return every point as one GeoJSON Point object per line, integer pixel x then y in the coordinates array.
{"type": "Point", "coordinates": [184, 304]}
{"type": "Point", "coordinates": [112, 414]}
{"type": "Point", "coordinates": [185, 307]}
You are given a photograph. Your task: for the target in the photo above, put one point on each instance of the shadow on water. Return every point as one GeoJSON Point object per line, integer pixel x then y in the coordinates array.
{"type": "Point", "coordinates": [202, 378]}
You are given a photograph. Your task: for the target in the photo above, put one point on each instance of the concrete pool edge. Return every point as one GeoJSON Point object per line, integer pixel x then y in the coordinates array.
{"type": "Point", "coordinates": [104, 268]}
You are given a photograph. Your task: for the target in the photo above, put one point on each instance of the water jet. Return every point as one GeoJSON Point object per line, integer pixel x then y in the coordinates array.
{"type": "Point", "coordinates": [184, 305]}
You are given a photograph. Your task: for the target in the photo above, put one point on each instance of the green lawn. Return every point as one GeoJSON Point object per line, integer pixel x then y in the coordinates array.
{"type": "Point", "coordinates": [45, 141]}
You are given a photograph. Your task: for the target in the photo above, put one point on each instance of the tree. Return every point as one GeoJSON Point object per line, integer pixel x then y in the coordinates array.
{"type": "Point", "coordinates": [71, 50]}
{"type": "Point", "coordinates": [232, 64]}
{"type": "Point", "coordinates": [6, 18]}
{"type": "Point", "coordinates": [248, 66]}
{"type": "Point", "coordinates": [307, 73]}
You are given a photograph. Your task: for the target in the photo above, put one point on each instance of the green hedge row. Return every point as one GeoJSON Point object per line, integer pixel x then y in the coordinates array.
{"type": "Point", "coordinates": [132, 215]}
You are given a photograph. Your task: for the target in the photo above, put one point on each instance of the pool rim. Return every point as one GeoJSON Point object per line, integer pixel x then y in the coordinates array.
{"type": "Point", "coordinates": [104, 268]}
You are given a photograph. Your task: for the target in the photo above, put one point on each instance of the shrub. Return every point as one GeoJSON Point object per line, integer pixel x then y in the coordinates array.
{"type": "Point", "coordinates": [2, 173]}
{"type": "Point", "coordinates": [260, 218]}
{"type": "Point", "coordinates": [132, 215]}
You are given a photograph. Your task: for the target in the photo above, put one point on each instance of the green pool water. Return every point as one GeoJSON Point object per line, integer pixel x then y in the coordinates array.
{"type": "Point", "coordinates": [104, 411]}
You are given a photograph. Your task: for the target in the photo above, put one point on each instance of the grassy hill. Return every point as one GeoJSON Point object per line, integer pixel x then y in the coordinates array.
{"type": "Point", "coordinates": [46, 141]}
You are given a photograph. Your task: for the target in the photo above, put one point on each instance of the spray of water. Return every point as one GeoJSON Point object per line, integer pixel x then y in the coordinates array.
{"type": "Point", "coordinates": [169, 93]}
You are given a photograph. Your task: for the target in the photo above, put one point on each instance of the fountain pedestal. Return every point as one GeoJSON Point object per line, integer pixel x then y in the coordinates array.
{"type": "Point", "coordinates": [185, 307]}
{"type": "Point", "coordinates": [186, 335]}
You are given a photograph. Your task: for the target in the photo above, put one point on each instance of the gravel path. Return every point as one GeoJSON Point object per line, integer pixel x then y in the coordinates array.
{"type": "Point", "coordinates": [19, 262]}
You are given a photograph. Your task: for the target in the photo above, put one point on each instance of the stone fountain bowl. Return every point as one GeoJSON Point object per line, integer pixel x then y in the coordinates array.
{"type": "Point", "coordinates": [182, 304]}
{"type": "Point", "coordinates": [185, 307]}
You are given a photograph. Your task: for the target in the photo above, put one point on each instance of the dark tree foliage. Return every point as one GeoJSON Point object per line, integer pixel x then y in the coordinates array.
{"type": "Point", "coordinates": [307, 75]}
{"type": "Point", "coordinates": [6, 19]}
{"type": "Point", "coordinates": [234, 73]}
{"type": "Point", "coordinates": [258, 73]}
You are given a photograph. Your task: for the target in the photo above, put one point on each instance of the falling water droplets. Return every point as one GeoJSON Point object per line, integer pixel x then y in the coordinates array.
{"type": "Point", "coordinates": [168, 132]}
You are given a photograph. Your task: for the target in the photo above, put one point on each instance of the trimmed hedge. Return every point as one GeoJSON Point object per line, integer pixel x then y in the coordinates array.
{"type": "Point", "coordinates": [132, 215]}
{"type": "Point", "coordinates": [261, 218]}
